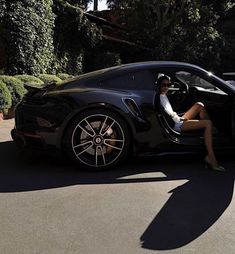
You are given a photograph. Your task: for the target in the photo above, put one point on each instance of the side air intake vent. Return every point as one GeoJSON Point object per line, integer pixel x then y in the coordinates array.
{"type": "Point", "coordinates": [131, 104]}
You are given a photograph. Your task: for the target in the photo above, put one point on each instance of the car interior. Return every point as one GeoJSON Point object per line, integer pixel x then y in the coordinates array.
{"type": "Point", "coordinates": [188, 88]}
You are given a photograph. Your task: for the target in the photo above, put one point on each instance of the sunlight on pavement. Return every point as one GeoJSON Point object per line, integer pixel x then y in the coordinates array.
{"type": "Point", "coordinates": [5, 129]}
{"type": "Point", "coordinates": [144, 175]}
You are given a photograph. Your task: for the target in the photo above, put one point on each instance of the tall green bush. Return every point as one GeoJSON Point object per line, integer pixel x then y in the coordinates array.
{"type": "Point", "coordinates": [15, 87]}
{"type": "Point", "coordinates": [29, 25]}
{"type": "Point", "coordinates": [5, 98]}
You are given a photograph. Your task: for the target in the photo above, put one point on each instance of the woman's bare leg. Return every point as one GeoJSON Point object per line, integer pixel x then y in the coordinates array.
{"type": "Point", "coordinates": [197, 109]}
{"type": "Point", "coordinates": [207, 126]}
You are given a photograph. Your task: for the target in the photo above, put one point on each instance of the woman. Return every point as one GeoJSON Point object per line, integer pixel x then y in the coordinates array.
{"type": "Point", "coordinates": [188, 122]}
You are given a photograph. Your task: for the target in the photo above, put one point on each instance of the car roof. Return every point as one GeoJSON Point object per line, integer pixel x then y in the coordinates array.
{"type": "Point", "coordinates": [154, 64]}
{"type": "Point", "coordinates": [132, 67]}
{"type": "Point", "coordinates": [135, 67]}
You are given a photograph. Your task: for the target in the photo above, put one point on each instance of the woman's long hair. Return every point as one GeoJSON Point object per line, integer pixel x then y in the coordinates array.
{"type": "Point", "coordinates": [159, 82]}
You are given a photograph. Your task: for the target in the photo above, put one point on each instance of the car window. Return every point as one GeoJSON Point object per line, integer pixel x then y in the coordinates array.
{"type": "Point", "coordinates": [141, 80]}
{"type": "Point", "coordinates": [194, 80]}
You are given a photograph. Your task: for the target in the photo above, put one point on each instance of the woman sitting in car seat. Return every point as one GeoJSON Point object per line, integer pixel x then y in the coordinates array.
{"type": "Point", "coordinates": [188, 122]}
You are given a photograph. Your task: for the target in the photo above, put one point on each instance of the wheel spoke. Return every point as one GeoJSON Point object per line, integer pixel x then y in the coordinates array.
{"type": "Point", "coordinates": [86, 131]}
{"type": "Point", "coordinates": [113, 140]}
{"type": "Point", "coordinates": [103, 125]}
{"type": "Point", "coordinates": [83, 144]}
{"type": "Point", "coordinates": [110, 126]}
{"type": "Point", "coordinates": [114, 147]}
{"type": "Point", "coordinates": [78, 154]}
{"type": "Point", "coordinates": [96, 155]}
{"type": "Point", "coordinates": [102, 153]}
{"type": "Point", "coordinates": [90, 127]}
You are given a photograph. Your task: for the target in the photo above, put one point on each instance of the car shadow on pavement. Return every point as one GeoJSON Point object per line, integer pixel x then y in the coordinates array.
{"type": "Point", "coordinates": [36, 170]}
{"type": "Point", "coordinates": [191, 209]}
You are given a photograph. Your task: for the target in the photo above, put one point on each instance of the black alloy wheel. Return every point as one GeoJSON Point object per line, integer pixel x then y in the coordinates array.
{"type": "Point", "coordinates": [97, 139]}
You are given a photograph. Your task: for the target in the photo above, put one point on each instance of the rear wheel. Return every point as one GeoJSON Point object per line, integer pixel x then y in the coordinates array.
{"type": "Point", "coordinates": [97, 139]}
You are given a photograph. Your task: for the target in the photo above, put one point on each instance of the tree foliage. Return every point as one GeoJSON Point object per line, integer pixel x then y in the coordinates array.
{"type": "Point", "coordinates": [46, 36]}
{"type": "Point", "coordinates": [227, 29]}
{"type": "Point", "coordinates": [80, 3]}
{"type": "Point", "coordinates": [182, 30]}
{"type": "Point", "coordinates": [29, 30]}
{"type": "Point", "coordinates": [73, 34]}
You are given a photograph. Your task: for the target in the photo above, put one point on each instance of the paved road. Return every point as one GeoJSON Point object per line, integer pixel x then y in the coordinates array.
{"type": "Point", "coordinates": [169, 204]}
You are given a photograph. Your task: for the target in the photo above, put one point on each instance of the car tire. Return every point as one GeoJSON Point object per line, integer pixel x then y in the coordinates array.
{"type": "Point", "coordinates": [97, 139]}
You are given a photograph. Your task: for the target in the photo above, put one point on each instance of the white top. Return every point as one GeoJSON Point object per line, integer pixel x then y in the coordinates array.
{"type": "Point", "coordinates": [167, 106]}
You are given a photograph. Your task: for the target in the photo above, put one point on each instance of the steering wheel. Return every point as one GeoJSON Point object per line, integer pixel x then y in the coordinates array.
{"type": "Point", "coordinates": [179, 92]}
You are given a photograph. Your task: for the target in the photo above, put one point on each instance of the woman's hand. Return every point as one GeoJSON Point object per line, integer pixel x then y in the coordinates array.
{"type": "Point", "coordinates": [183, 119]}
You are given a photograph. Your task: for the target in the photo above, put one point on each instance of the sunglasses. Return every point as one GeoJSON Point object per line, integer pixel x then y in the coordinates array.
{"type": "Point", "coordinates": [166, 84]}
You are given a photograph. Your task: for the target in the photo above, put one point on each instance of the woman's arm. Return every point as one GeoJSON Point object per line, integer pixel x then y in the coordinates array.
{"type": "Point", "coordinates": [167, 107]}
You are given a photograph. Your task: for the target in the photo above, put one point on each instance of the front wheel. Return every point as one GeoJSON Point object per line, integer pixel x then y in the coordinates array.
{"type": "Point", "coordinates": [97, 139]}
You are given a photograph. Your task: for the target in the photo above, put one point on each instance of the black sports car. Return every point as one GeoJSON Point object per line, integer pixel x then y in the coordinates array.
{"type": "Point", "coordinates": [101, 117]}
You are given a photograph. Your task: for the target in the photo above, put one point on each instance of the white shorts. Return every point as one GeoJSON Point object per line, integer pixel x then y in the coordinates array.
{"type": "Point", "coordinates": [178, 126]}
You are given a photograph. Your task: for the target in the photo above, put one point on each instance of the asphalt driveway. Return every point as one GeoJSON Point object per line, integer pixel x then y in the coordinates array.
{"type": "Point", "coordinates": [169, 203]}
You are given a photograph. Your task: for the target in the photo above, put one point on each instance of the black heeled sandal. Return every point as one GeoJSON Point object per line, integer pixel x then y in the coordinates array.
{"type": "Point", "coordinates": [215, 168]}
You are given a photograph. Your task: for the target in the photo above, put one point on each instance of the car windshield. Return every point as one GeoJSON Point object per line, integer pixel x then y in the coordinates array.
{"type": "Point", "coordinates": [194, 80]}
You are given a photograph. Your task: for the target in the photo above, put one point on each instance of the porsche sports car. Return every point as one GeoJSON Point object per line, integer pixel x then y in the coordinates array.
{"type": "Point", "coordinates": [101, 117]}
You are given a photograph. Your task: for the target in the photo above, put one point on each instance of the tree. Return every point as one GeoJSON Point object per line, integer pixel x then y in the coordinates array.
{"type": "Point", "coordinates": [80, 3]}
{"type": "Point", "coordinates": [85, 3]}
{"type": "Point", "coordinates": [27, 28]}
{"type": "Point", "coordinates": [73, 35]}
{"type": "Point", "coordinates": [174, 29]}
{"type": "Point", "coordinates": [44, 36]}
{"type": "Point", "coordinates": [227, 29]}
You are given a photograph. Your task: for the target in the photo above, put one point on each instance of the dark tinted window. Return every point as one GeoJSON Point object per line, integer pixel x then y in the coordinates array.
{"type": "Point", "coordinates": [138, 81]}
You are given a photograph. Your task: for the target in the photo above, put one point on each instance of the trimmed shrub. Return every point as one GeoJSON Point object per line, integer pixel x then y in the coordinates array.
{"type": "Point", "coordinates": [15, 87]}
{"type": "Point", "coordinates": [30, 80]}
{"type": "Point", "coordinates": [48, 78]}
{"type": "Point", "coordinates": [64, 76]}
{"type": "Point", "coordinates": [5, 98]}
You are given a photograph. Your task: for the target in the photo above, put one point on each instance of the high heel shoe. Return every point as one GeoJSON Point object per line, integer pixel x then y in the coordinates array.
{"type": "Point", "coordinates": [215, 168]}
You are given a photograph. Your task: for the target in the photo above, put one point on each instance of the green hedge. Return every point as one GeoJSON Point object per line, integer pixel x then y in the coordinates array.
{"type": "Point", "coordinates": [48, 78]}
{"type": "Point", "coordinates": [64, 76]}
{"type": "Point", "coordinates": [30, 80]}
{"type": "Point", "coordinates": [5, 98]}
{"type": "Point", "coordinates": [12, 88]}
{"type": "Point", "coordinates": [15, 87]}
